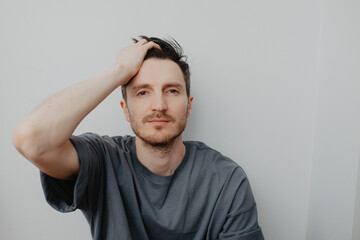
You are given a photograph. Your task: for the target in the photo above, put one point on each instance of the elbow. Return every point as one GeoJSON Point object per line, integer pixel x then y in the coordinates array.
{"type": "Point", "coordinates": [23, 138]}
{"type": "Point", "coordinates": [19, 136]}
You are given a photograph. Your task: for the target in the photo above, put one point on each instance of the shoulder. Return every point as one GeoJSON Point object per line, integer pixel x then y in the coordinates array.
{"type": "Point", "coordinates": [100, 141]}
{"type": "Point", "coordinates": [94, 136]}
{"type": "Point", "coordinates": [214, 160]}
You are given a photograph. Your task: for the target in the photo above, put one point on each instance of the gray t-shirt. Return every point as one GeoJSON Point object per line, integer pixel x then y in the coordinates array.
{"type": "Point", "coordinates": [207, 197]}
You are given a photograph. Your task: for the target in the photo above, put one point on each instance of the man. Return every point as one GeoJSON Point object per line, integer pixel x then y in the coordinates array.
{"type": "Point", "coordinates": [152, 186]}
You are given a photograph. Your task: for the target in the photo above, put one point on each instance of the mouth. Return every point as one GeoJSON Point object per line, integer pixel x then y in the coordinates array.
{"type": "Point", "coordinates": [158, 122]}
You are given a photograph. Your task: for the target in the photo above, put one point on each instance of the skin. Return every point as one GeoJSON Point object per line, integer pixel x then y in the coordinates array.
{"type": "Point", "coordinates": [43, 136]}
{"type": "Point", "coordinates": [157, 108]}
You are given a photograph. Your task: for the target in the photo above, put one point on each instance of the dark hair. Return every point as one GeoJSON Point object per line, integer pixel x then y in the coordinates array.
{"type": "Point", "coordinates": [170, 49]}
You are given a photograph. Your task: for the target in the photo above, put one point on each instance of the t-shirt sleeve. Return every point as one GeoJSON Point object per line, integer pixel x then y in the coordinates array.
{"type": "Point", "coordinates": [242, 221]}
{"type": "Point", "coordinates": [69, 195]}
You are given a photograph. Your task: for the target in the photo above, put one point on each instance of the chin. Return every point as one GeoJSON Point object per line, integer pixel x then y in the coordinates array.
{"type": "Point", "coordinates": [159, 138]}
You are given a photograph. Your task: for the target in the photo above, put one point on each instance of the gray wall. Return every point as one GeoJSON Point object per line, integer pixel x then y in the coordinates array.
{"type": "Point", "coordinates": [276, 87]}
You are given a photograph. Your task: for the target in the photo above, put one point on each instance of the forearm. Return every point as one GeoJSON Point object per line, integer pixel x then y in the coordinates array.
{"type": "Point", "coordinates": [52, 123]}
{"type": "Point", "coordinates": [49, 127]}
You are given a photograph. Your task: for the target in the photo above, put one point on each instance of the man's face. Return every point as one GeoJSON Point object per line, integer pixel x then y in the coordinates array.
{"type": "Point", "coordinates": [157, 105]}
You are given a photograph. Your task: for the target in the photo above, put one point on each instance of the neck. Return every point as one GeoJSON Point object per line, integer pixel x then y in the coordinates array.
{"type": "Point", "coordinates": [161, 160]}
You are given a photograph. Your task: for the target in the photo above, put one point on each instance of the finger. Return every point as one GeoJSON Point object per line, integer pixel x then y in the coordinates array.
{"type": "Point", "coordinates": [150, 45]}
{"type": "Point", "coordinates": [141, 42]}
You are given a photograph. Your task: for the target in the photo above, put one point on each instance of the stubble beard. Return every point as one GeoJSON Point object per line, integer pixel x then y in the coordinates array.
{"type": "Point", "coordinates": [158, 140]}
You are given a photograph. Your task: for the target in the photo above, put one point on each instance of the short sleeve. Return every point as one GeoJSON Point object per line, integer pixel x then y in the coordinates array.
{"type": "Point", "coordinates": [69, 195]}
{"type": "Point", "coordinates": [242, 221]}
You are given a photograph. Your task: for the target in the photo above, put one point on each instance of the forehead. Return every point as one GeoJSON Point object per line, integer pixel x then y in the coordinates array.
{"type": "Point", "coordinates": [158, 72]}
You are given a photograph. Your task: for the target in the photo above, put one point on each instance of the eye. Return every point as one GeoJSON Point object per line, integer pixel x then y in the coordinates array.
{"type": "Point", "coordinates": [141, 93]}
{"type": "Point", "coordinates": [173, 91]}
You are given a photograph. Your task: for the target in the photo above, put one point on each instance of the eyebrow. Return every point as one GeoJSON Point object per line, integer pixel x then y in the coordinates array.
{"type": "Point", "coordinates": [137, 87]}
{"type": "Point", "coordinates": [177, 85]}
{"type": "Point", "coordinates": [174, 84]}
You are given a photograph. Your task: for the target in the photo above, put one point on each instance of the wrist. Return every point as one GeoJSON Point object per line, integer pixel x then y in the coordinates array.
{"type": "Point", "coordinates": [119, 74]}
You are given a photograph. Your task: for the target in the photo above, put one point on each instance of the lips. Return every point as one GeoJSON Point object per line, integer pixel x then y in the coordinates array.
{"type": "Point", "coordinates": [158, 120]}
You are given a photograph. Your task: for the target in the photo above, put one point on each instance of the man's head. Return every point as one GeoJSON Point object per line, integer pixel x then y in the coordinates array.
{"type": "Point", "coordinates": [171, 50]}
{"type": "Point", "coordinates": [157, 100]}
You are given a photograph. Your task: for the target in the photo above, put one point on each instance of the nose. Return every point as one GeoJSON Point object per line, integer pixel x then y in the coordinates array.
{"type": "Point", "coordinates": [159, 103]}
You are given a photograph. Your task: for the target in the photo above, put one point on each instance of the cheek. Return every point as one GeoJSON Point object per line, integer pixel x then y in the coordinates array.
{"type": "Point", "coordinates": [181, 108]}
{"type": "Point", "coordinates": [136, 112]}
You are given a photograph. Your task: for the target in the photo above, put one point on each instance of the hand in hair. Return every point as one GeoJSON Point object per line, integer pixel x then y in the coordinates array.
{"type": "Point", "coordinates": [130, 59]}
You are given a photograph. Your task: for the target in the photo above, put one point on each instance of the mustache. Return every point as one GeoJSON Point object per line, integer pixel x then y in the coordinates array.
{"type": "Point", "coordinates": [158, 115]}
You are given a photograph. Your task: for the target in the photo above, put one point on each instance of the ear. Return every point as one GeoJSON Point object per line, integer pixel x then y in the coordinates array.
{"type": "Point", "coordinates": [125, 109]}
{"type": "Point", "coordinates": [188, 111]}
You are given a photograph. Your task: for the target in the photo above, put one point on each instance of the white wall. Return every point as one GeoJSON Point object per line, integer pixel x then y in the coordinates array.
{"type": "Point", "coordinates": [276, 86]}
{"type": "Point", "coordinates": [356, 222]}
{"type": "Point", "coordinates": [335, 166]}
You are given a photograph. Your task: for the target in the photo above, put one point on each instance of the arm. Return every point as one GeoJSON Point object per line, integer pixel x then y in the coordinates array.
{"type": "Point", "coordinates": [43, 136]}
{"type": "Point", "coordinates": [241, 222]}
